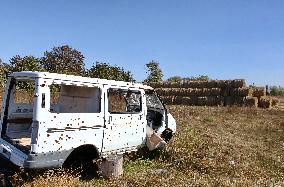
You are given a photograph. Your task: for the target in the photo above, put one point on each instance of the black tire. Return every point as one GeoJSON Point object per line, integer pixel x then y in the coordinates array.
{"type": "Point", "coordinates": [84, 167]}
{"type": "Point", "coordinates": [80, 162]}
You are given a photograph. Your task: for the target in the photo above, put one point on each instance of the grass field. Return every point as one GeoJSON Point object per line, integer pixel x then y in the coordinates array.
{"type": "Point", "coordinates": [214, 146]}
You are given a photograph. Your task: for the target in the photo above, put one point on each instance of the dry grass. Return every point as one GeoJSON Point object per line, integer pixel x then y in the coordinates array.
{"type": "Point", "coordinates": [214, 146]}
{"type": "Point", "coordinates": [280, 105]}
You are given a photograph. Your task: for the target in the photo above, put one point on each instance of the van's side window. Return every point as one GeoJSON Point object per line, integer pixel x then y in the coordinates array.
{"type": "Point", "coordinates": [24, 91]}
{"type": "Point", "coordinates": [124, 101]}
{"type": "Point", "coordinates": [74, 99]}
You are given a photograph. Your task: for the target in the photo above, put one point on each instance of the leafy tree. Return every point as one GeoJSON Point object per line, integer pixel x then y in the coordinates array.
{"type": "Point", "coordinates": [174, 79]}
{"type": "Point", "coordinates": [154, 71]}
{"type": "Point", "coordinates": [4, 70]}
{"type": "Point", "coordinates": [276, 91]}
{"type": "Point", "coordinates": [192, 78]}
{"type": "Point", "coordinates": [63, 59]}
{"type": "Point", "coordinates": [106, 71]}
{"type": "Point", "coordinates": [26, 63]}
{"type": "Point", "coordinates": [197, 78]}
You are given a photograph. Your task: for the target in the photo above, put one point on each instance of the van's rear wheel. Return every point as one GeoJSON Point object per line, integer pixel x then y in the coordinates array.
{"type": "Point", "coordinates": [81, 162]}
{"type": "Point", "coordinates": [86, 168]}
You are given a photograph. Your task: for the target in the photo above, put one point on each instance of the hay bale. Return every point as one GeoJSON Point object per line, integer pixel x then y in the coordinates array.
{"type": "Point", "coordinates": [238, 83]}
{"type": "Point", "coordinates": [211, 101]}
{"type": "Point", "coordinates": [208, 101]}
{"type": "Point", "coordinates": [156, 84]}
{"type": "Point", "coordinates": [219, 100]}
{"type": "Point", "coordinates": [239, 101]}
{"type": "Point", "coordinates": [265, 102]}
{"type": "Point", "coordinates": [160, 91]}
{"type": "Point", "coordinates": [259, 92]}
{"type": "Point", "coordinates": [169, 100]}
{"type": "Point", "coordinates": [172, 85]}
{"type": "Point", "coordinates": [275, 101]}
{"type": "Point", "coordinates": [199, 84]}
{"type": "Point", "coordinates": [197, 92]}
{"type": "Point", "coordinates": [205, 92]}
{"type": "Point", "coordinates": [172, 91]}
{"type": "Point", "coordinates": [212, 84]}
{"type": "Point", "coordinates": [241, 92]}
{"type": "Point", "coordinates": [228, 101]}
{"type": "Point", "coordinates": [190, 84]}
{"type": "Point", "coordinates": [189, 101]}
{"type": "Point", "coordinates": [225, 92]}
{"type": "Point", "coordinates": [178, 100]}
{"type": "Point", "coordinates": [190, 92]}
{"type": "Point", "coordinates": [168, 91]}
{"type": "Point", "coordinates": [251, 101]}
{"type": "Point", "coordinates": [228, 83]}
{"type": "Point", "coordinates": [207, 84]}
{"type": "Point", "coordinates": [165, 84]}
{"type": "Point", "coordinates": [202, 101]}
{"type": "Point", "coordinates": [220, 84]}
{"type": "Point", "coordinates": [216, 91]}
{"type": "Point", "coordinates": [211, 91]}
{"type": "Point", "coordinates": [185, 92]}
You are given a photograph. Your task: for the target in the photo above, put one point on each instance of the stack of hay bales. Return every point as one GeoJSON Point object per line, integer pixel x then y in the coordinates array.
{"type": "Point", "coordinates": [264, 101]}
{"type": "Point", "coordinates": [213, 93]}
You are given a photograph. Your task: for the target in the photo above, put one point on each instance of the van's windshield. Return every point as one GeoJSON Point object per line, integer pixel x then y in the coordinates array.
{"type": "Point", "coordinates": [152, 101]}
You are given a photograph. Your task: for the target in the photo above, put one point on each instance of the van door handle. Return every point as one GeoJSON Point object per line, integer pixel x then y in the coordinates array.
{"type": "Point", "coordinates": [109, 119]}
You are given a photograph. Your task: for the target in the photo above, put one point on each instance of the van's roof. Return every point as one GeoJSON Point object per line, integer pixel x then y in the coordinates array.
{"type": "Point", "coordinates": [55, 76]}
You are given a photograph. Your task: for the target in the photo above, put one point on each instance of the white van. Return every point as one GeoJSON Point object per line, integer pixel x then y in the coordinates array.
{"type": "Point", "coordinates": [63, 117]}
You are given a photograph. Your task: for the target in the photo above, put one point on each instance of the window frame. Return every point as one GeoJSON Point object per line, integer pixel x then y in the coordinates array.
{"type": "Point", "coordinates": [124, 90]}
{"type": "Point", "coordinates": [80, 85]}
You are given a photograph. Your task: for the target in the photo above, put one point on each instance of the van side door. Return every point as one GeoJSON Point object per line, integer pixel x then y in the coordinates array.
{"type": "Point", "coordinates": [125, 119]}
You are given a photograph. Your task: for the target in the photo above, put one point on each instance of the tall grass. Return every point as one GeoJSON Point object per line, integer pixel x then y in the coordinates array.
{"type": "Point", "coordinates": [213, 146]}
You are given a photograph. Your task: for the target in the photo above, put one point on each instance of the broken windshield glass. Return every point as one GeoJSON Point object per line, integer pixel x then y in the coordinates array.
{"type": "Point", "coordinates": [153, 101]}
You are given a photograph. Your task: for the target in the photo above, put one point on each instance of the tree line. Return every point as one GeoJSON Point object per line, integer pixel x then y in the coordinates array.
{"type": "Point", "coordinates": [66, 60]}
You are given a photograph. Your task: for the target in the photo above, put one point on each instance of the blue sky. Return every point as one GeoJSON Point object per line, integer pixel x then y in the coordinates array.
{"type": "Point", "coordinates": [224, 39]}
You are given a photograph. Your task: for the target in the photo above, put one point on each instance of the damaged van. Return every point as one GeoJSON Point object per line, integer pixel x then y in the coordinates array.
{"type": "Point", "coordinates": [49, 119]}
